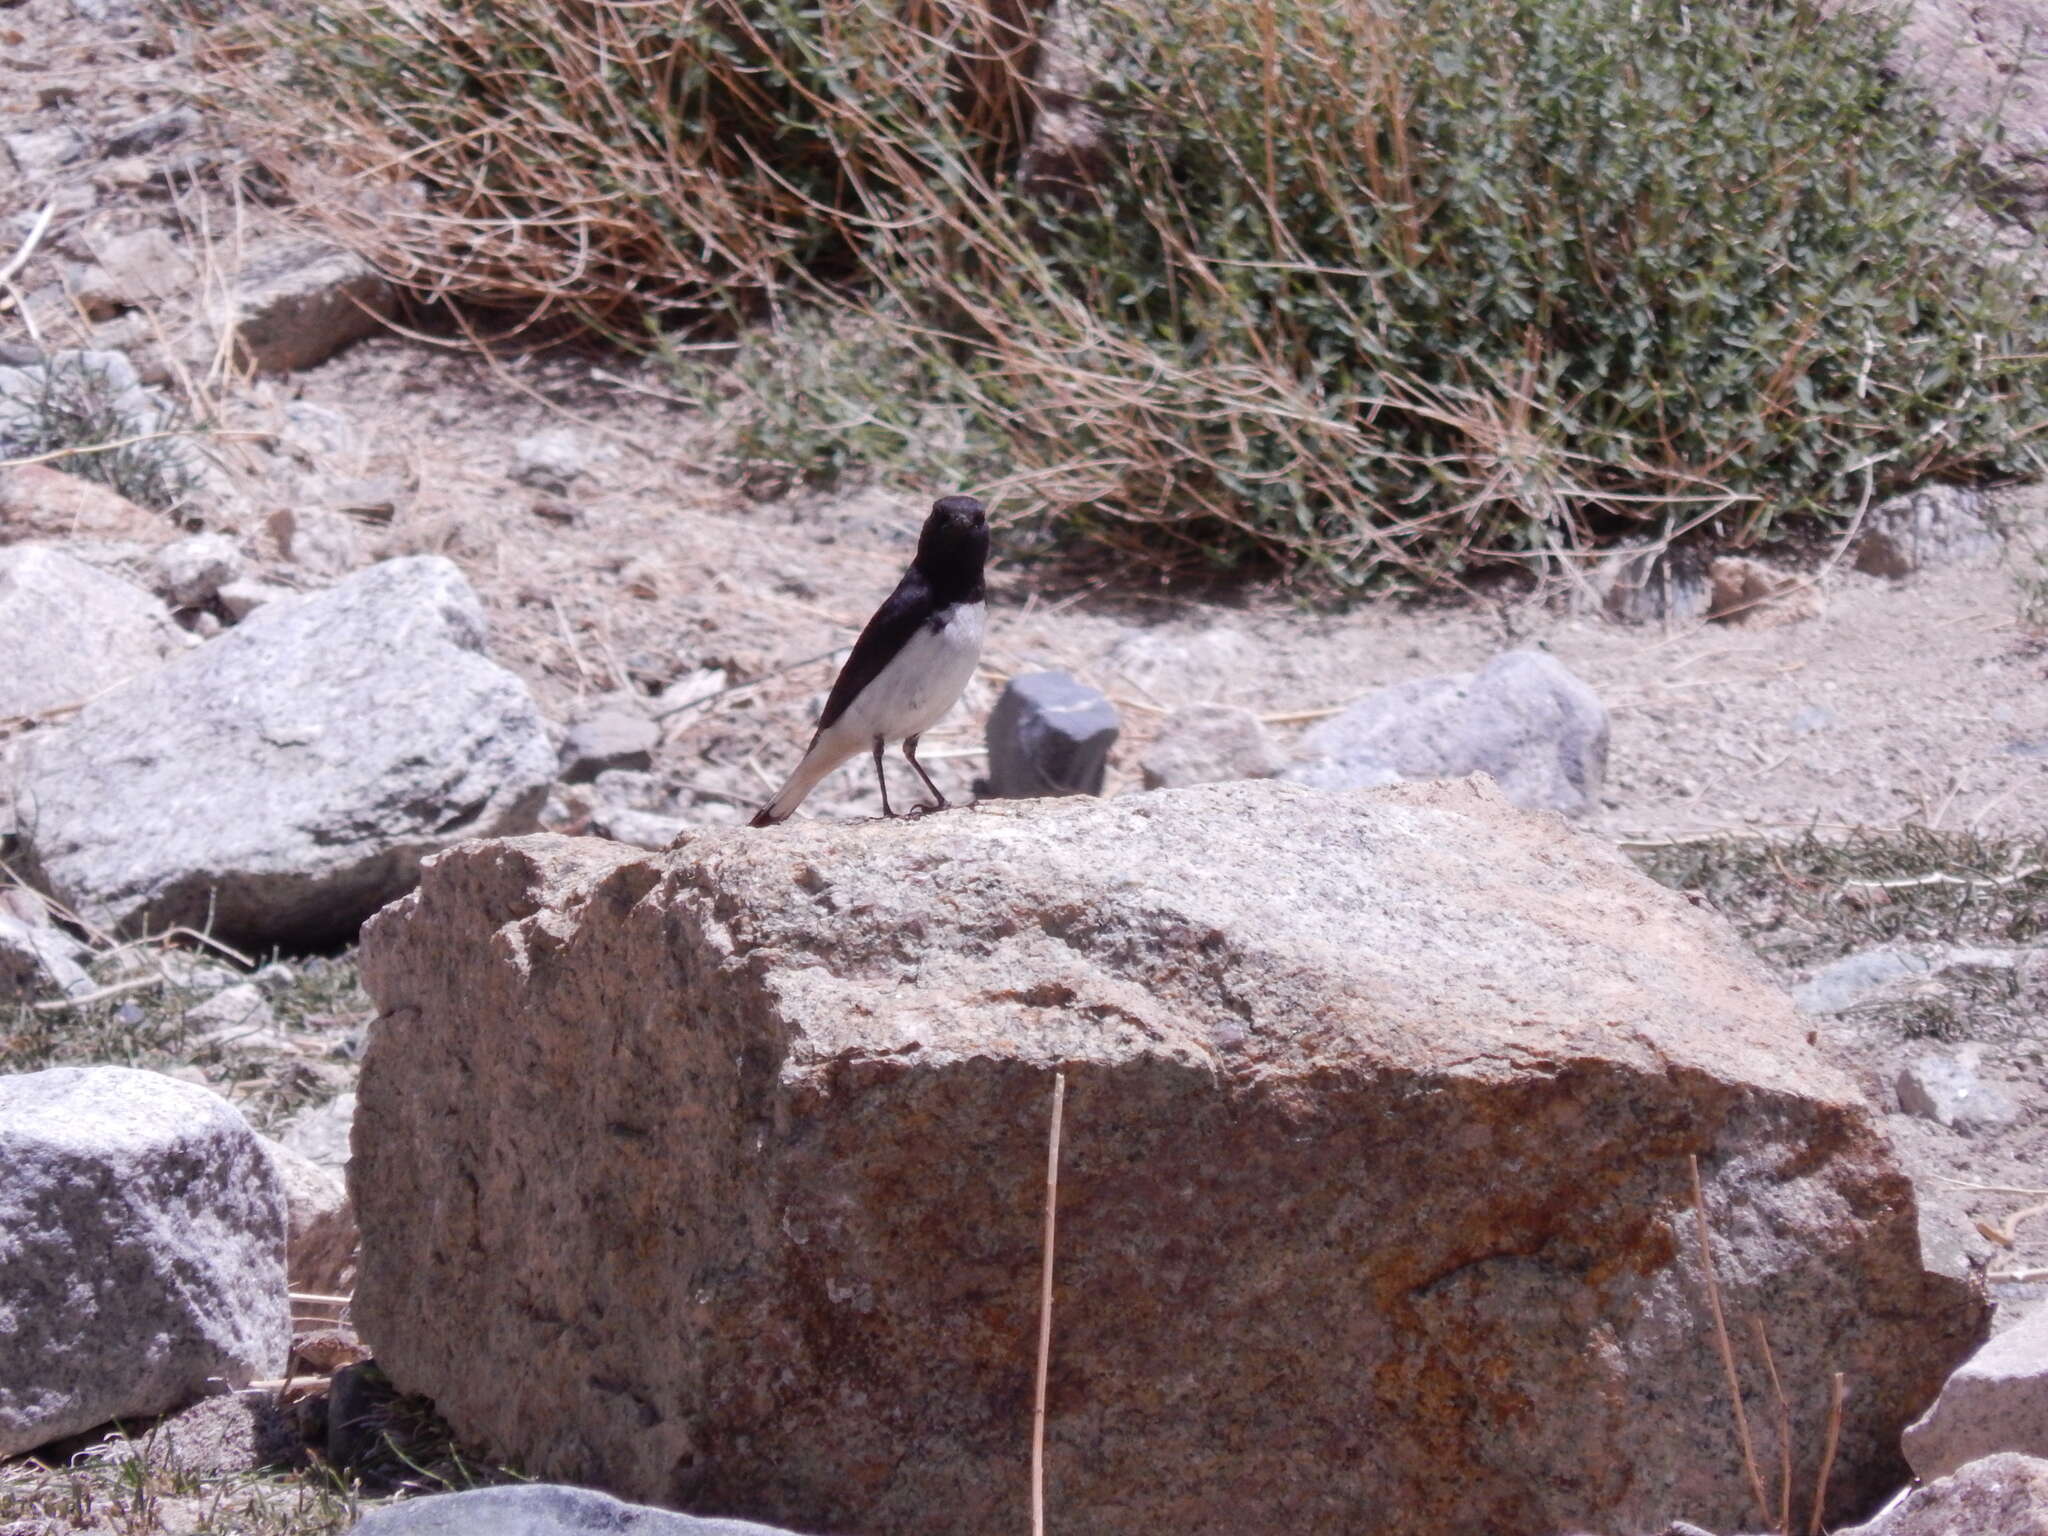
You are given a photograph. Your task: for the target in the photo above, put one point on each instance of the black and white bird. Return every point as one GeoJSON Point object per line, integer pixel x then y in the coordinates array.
{"type": "Point", "coordinates": [910, 665]}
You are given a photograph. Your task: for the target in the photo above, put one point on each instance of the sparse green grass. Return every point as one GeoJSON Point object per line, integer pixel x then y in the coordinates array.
{"type": "Point", "coordinates": [141, 1496]}
{"type": "Point", "coordinates": [1513, 278]}
{"type": "Point", "coordinates": [75, 405]}
{"type": "Point", "coordinates": [1807, 900]}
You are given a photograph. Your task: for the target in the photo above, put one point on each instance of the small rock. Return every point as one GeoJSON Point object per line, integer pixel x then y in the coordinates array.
{"type": "Point", "coordinates": [143, 266]}
{"type": "Point", "coordinates": [320, 1243]}
{"type": "Point", "coordinates": [1049, 735]}
{"type": "Point", "coordinates": [297, 304]}
{"type": "Point", "coordinates": [38, 502]}
{"type": "Point", "coordinates": [542, 1509]}
{"type": "Point", "coordinates": [1751, 593]}
{"type": "Point", "coordinates": [362, 727]}
{"type": "Point", "coordinates": [1523, 718]}
{"type": "Point", "coordinates": [152, 132]}
{"type": "Point", "coordinates": [326, 543]}
{"type": "Point", "coordinates": [641, 829]}
{"type": "Point", "coordinates": [1209, 744]}
{"type": "Point", "coordinates": [321, 1134]}
{"type": "Point", "coordinates": [1876, 976]}
{"type": "Point", "coordinates": [37, 154]}
{"type": "Point", "coordinates": [1997, 1400]}
{"type": "Point", "coordinates": [1811, 718]}
{"type": "Point", "coordinates": [191, 571]}
{"type": "Point", "coordinates": [610, 738]}
{"type": "Point", "coordinates": [1950, 1089]}
{"type": "Point", "coordinates": [358, 1399]}
{"type": "Point", "coordinates": [1652, 585]}
{"type": "Point", "coordinates": [71, 633]}
{"type": "Point", "coordinates": [234, 1015]}
{"type": "Point", "coordinates": [34, 958]}
{"type": "Point", "coordinates": [1933, 526]}
{"type": "Point", "coordinates": [549, 461]}
{"type": "Point", "coordinates": [2000, 1495]}
{"type": "Point", "coordinates": [239, 599]}
{"type": "Point", "coordinates": [1170, 667]}
{"type": "Point", "coordinates": [147, 1205]}
{"type": "Point", "coordinates": [629, 787]}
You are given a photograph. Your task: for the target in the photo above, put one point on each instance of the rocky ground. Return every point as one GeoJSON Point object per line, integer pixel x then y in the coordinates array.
{"type": "Point", "coordinates": [638, 594]}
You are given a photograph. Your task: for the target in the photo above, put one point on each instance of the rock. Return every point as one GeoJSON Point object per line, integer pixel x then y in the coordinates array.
{"type": "Point", "coordinates": [1997, 1401]}
{"type": "Point", "coordinates": [1653, 584]}
{"type": "Point", "coordinates": [609, 738]}
{"type": "Point", "coordinates": [190, 572]}
{"type": "Point", "coordinates": [1949, 1088]}
{"type": "Point", "coordinates": [1935, 525]}
{"type": "Point", "coordinates": [151, 132]}
{"type": "Point", "coordinates": [1209, 744]}
{"type": "Point", "coordinates": [1524, 719]}
{"type": "Point", "coordinates": [320, 1242]}
{"type": "Point", "coordinates": [1980, 62]}
{"type": "Point", "coordinates": [629, 787]}
{"type": "Point", "coordinates": [716, 1178]}
{"type": "Point", "coordinates": [144, 1246]}
{"type": "Point", "coordinates": [241, 598]}
{"type": "Point", "coordinates": [1049, 735]}
{"type": "Point", "coordinates": [362, 728]}
{"type": "Point", "coordinates": [35, 958]}
{"type": "Point", "coordinates": [221, 1437]}
{"type": "Point", "coordinates": [1872, 977]}
{"type": "Point", "coordinates": [41, 152]}
{"type": "Point", "coordinates": [38, 502]}
{"type": "Point", "coordinates": [143, 266]}
{"type": "Point", "coordinates": [235, 1015]}
{"type": "Point", "coordinates": [639, 829]}
{"type": "Point", "coordinates": [2004, 1495]}
{"type": "Point", "coordinates": [321, 1134]}
{"type": "Point", "coordinates": [1173, 667]}
{"type": "Point", "coordinates": [541, 1509]}
{"type": "Point", "coordinates": [1068, 150]}
{"type": "Point", "coordinates": [550, 461]}
{"type": "Point", "coordinates": [1752, 593]}
{"type": "Point", "coordinates": [71, 633]}
{"type": "Point", "coordinates": [296, 304]}
{"type": "Point", "coordinates": [328, 544]}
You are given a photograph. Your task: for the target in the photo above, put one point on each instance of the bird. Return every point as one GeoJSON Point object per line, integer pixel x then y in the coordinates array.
{"type": "Point", "coordinates": [910, 664]}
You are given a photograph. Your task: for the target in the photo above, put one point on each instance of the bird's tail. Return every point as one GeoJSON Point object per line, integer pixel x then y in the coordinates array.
{"type": "Point", "coordinates": [826, 754]}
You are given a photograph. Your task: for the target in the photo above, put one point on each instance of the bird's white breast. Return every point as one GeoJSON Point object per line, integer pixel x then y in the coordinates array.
{"type": "Point", "coordinates": [922, 681]}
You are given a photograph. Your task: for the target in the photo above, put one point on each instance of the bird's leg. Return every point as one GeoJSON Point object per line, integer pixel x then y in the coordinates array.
{"type": "Point", "coordinates": [882, 779]}
{"type": "Point", "coordinates": [938, 795]}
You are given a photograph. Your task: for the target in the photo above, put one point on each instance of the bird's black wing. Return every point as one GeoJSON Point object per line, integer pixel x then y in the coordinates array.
{"type": "Point", "coordinates": [899, 618]}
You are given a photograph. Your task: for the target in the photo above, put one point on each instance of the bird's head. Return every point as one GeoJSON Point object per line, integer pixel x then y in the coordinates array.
{"type": "Point", "coordinates": [954, 544]}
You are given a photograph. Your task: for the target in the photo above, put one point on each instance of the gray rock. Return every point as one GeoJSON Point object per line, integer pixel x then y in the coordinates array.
{"type": "Point", "coordinates": [631, 788]}
{"type": "Point", "coordinates": [35, 958]}
{"type": "Point", "coordinates": [549, 461]}
{"type": "Point", "coordinates": [191, 571]}
{"type": "Point", "coordinates": [542, 1509]}
{"type": "Point", "coordinates": [1522, 718]}
{"type": "Point", "coordinates": [38, 153]}
{"type": "Point", "coordinates": [141, 266]}
{"type": "Point", "coordinates": [320, 1242]}
{"type": "Point", "coordinates": [144, 1246]}
{"type": "Point", "coordinates": [235, 1015]}
{"type": "Point", "coordinates": [239, 599]}
{"type": "Point", "coordinates": [295, 304]}
{"type": "Point", "coordinates": [2001, 1495]}
{"type": "Point", "coordinates": [1935, 525]}
{"type": "Point", "coordinates": [362, 729]}
{"type": "Point", "coordinates": [1653, 584]}
{"type": "Point", "coordinates": [1950, 1089]}
{"type": "Point", "coordinates": [639, 829]}
{"type": "Point", "coordinates": [1209, 744]}
{"type": "Point", "coordinates": [70, 632]}
{"type": "Point", "coordinates": [1996, 1401]}
{"type": "Point", "coordinates": [1049, 735]}
{"type": "Point", "coordinates": [804, 1228]}
{"type": "Point", "coordinates": [151, 132]}
{"type": "Point", "coordinates": [608, 739]}
{"type": "Point", "coordinates": [321, 1134]}
{"type": "Point", "coordinates": [324, 542]}
{"type": "Point", "coordinates": [1171, 666]}
{"type": "Point", "coordinates": [1872, 977]}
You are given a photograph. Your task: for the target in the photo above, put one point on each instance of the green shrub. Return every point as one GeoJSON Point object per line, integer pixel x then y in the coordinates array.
{"type": "Point", "coordinates": [71, 403]}
{"type": "Point", "coordinates": [1360, 292]}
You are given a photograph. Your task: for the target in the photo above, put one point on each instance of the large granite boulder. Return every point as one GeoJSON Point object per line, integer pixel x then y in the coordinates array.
{"type": "Point", "coordinates": [716, 1177]}
{"type": "Point", "coordinates": [142, 1240]}
{"type": "Point", "coordinates": [70, 632]}
{"type": "Point", "coordinates": [282, 782]}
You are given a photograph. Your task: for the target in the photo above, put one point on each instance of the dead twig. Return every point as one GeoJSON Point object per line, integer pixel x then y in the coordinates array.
{"type": "Point", "coordinates": [1699, 1211]}
{"type": "Point", "coordinates": [1052, 1190]}
{"type": "Point", "coordinates": [1827, 1454]}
